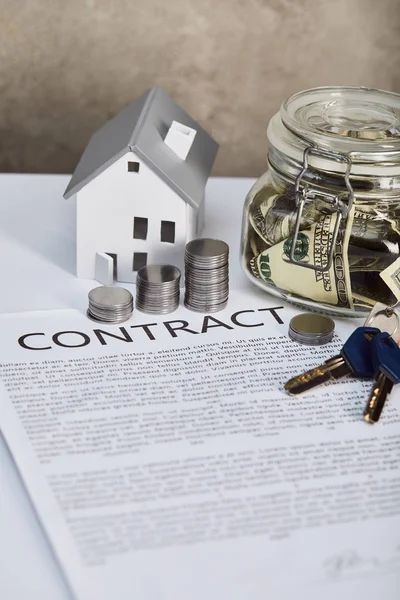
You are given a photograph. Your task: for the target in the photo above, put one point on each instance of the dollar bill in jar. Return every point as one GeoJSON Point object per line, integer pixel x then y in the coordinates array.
{"type": "Point", "coordinates": [347, 210]}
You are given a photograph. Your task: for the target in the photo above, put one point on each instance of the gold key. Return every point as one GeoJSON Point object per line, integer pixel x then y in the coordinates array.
{"type": "Point", "coordinates": [380, 392]}
{"type": "Point", "coordinates": [354, 359]}
{"type": "Point", "coordinates": [334, 368]}
{"type": "Point", "coordinates": [385, 354]}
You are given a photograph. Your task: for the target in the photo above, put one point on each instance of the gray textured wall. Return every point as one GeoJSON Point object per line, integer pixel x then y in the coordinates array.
{"type": "Point", "coordinates": [66, 66]}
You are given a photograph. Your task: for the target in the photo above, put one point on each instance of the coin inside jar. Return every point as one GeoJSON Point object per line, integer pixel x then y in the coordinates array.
{"type": "Point", "coordinates": [311, 329]}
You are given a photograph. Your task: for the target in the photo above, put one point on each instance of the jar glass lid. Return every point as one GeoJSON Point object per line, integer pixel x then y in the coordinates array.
{"type": "Point", "coordinates": [362, 123]}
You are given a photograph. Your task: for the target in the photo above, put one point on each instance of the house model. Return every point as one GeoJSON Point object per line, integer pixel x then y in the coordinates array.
{"type": "Point", "coordinates": [139, 189]}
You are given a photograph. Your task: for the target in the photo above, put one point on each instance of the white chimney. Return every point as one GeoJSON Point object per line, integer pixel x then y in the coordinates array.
{"type": "Point", "coordinates": [180, 139]}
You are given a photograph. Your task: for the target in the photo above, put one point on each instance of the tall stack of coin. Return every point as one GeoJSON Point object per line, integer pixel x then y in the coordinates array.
{"type": "Point", "coordinates": [110, 304]}
{"type": "Point", "coordinates": [157, 289]}
{"type": "Point", "coordinates": [206, 275]}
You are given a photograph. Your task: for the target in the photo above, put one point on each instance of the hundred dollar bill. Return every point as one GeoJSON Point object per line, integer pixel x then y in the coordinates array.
{"type": "Point", "coordinates": [257, 244]}
{"type": "Point", "coordinates": [373, 236]}
{"type": "Point", "coordinates": [389, 209]}
{"type": "Point", "coordinates": [373, 230]}
{"type": "Point", "coordinates": [254, 245]}
{"type": "Point", "coordinates": [362, 302]}
{"type": "Point", "coordinates": [273, 216]}
{"type": "Point", "coordinates": [373, 247]}
{"type": "Point", "coordinates": [330, 287]}
{"type": "Point", "coordinates": [391, 276]}
{"type": "Point", "coordinates": [258, 220]}
{"type": "Point", "coordinates": [370, 289]}
{"type": "Point", "coordinates": [363, 260]}
{"type": "Point", "coordinates": [253, 267]}
{"type": "Point", "coordinates": [361, 306]}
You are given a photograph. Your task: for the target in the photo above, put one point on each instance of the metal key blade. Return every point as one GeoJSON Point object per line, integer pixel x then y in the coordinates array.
{"type": "Point", "coordinates": [334, 368]}
{"type": "Point", "coordinates": [386, 360]}
{"type": "Point", "coordinates": [381, 389]}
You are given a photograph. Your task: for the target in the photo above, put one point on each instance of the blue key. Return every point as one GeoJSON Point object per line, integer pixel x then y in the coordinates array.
{"type": "Point", "coordinates": [354, 359]}
{"type": "Point", "coordinates": [385, 354]}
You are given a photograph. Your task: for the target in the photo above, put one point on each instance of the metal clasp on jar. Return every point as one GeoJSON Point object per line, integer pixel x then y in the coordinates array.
{"type": "Point", "coordinates": [341, 204]}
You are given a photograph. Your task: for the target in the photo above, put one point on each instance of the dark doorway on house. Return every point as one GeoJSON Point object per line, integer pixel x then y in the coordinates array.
{"type": "Point", "coordinates": [114, 258]}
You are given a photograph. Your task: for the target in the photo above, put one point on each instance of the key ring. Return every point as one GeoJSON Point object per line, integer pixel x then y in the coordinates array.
{"type": "Point", "coordinates": [388, 312]}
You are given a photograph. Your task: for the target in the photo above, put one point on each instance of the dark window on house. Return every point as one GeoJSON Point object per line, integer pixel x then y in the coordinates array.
{"type": "Point", "coordinates": [140, 228]}
{"type": "Point", "coordinates": [168, 231]}
{"type": "Point", "coordinates": [114, 258]}
{"type": "Point", "coordinates": [139, 260]}
{"type": "Point", "coordinates": [133, 167]}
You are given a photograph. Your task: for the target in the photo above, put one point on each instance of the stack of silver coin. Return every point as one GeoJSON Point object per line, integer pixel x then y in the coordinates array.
{"type": "Point", "coordinates": [206, 275]}
{"type": "Point", "coordinates": [110, 304]}
{"type": "Point", "coordinates": [311, 329]}
{"type": "Point", "coordinates": [157, 289]}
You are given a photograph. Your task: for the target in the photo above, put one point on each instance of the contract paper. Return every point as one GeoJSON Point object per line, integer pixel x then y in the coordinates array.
{"type": "Point", "coordinates": [165, 461]}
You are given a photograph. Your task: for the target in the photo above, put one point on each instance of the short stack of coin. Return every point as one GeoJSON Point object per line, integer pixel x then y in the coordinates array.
{"type": "Point", "coordinates": [206, 275]}
{"type": "Point", "coordinates": [110, 304]}
{"type": "Point", "coordinates": [311, 329]}
{"type": "Point", "coordinates": [157, 289]}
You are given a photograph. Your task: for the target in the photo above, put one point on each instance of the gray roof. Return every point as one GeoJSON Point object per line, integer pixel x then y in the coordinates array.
{"type": "Point", "coordinates": [141, 127]}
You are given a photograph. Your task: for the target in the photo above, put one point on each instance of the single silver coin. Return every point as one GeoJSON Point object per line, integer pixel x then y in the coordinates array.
{"type": "Point", "coordinates": [110, 296]}
{"type": "Point", "coordinates": [311, 329]}
{"type": "Point", "coordinates": [159, 274]}
{"type": "Point", "coordinates": [204, 249]}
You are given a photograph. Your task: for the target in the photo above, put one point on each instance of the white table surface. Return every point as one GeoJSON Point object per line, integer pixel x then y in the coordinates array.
{"type": "Point", "coordinates": [37, 262]}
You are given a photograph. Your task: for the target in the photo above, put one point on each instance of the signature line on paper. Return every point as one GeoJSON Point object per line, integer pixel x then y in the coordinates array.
{"type": "Point", "coordinates": [349, 564]}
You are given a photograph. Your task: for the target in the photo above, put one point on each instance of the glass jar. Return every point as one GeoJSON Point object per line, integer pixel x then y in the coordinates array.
{"type": "Point", "coordinates": [323, 222]}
